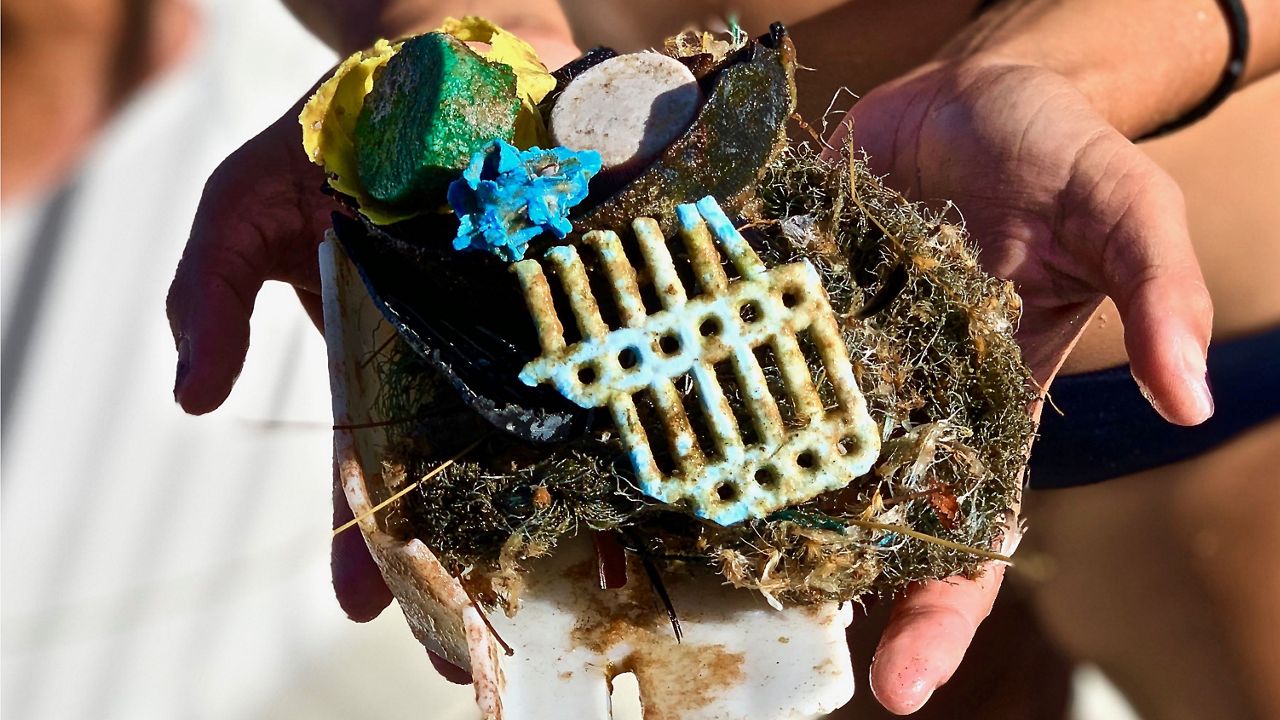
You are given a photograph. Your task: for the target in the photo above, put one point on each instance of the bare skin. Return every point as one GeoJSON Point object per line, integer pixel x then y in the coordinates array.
{"type": "Point", "coordinates": [1167, 580]}
{"type": "Point", "coordinates": [53, 110]}
{"type": "Point", "coordinates": [1200, 535]}
{"type": "Point", "coordinates": [1027, 135]}
{"type": "Point", "coordinates": [1228, 167]}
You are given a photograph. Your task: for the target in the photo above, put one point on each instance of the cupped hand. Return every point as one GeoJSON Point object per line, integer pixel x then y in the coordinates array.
{"type": "Point", "coordinates": [1057, 200]}
{"type": "Point", "coordinates": [261, 217]}
{"type": "Point", "coordinates": [1070, 210]}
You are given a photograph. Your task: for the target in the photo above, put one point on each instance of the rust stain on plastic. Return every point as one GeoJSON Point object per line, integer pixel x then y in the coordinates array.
{"type": "Point", "coordinates": [673, 678]}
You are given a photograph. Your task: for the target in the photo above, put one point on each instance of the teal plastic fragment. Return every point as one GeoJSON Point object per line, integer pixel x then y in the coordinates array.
{"type": "Point", "coordinates": [507, 197]}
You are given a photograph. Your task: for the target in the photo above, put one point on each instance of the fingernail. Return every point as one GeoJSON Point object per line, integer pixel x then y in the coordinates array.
{"type": "Point", "coordinates": [184, 367]}
{"type": "Point", "coordinates": [1194, 380]}
{"type": "Point", "coordinates": [1193, 359]}
{"type": "Point", "coordinates": [1195, 375]}
{"type": "Point", "coordinates": [1150, 397]}
{"type": "Point", "coordinates": [927, 697]}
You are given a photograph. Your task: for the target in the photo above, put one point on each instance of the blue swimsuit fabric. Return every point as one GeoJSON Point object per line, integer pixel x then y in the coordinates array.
{"type": "Point", "coordinates": [1108, 429]}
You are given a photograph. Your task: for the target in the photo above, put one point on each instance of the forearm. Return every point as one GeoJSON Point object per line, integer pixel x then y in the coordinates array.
{"type": "Point", "coordinates": [1141, 63]}
{"type": "Point", "coordinates": [350, 25]}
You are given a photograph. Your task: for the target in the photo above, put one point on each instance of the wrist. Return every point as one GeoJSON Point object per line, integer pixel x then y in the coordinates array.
{"type": "Point", "coordinates": [548, 35]}
{"type": "Point", "coordinates": [1136, 74]}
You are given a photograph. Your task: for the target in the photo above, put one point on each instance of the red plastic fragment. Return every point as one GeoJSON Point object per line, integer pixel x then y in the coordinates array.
{"type": "Point", "coordinates": [611, 560]}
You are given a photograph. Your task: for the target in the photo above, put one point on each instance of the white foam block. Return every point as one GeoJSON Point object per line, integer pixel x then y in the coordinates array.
{"type": "Point", "coordinates": [627, 108]}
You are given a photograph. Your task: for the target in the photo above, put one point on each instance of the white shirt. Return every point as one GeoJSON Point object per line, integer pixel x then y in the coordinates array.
{"type": "Point", "coordinates": [157, 565]}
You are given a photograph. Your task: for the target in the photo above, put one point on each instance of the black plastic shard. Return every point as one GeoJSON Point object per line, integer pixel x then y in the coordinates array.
{"type": "Point", "coordinates": [573, 69]}
{"type": "Point", "coordinates": [739, 129]}
{"type": "Point", "coordinates": [464, 314]}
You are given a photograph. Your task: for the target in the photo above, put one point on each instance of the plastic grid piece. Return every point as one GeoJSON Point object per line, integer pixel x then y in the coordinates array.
{"type": "Point", "coordinates": [722, 476]}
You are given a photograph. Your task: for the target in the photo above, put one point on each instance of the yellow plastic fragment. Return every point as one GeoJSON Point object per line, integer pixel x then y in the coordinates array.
{"type": "Point", "coordinates": [533, 82]}
{"type": "Point", "coordinates": [329, 123]}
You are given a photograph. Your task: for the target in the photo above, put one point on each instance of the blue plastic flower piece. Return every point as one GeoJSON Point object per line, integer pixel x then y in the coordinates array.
{"type": "Point", "coordinates": [507, 197]}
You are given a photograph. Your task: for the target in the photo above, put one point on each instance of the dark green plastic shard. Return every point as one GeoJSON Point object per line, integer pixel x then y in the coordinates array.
{"type": "Point", "coordinates": [433, 105]}
{"type": "Point", "coordinates": [723, 154]}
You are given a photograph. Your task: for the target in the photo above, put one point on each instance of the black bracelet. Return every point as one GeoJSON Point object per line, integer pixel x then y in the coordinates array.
{"type": "Point", "coordinates": [1238, 26]}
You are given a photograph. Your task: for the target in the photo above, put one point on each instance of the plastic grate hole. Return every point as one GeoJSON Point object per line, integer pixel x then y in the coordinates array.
{"type": "Point", "coordinates": [791, 298]}
{"type": "Point", "coordinates": [727, 492]}
{"type": "Point", "coordinates": [749, 312]}
{"type": "Point", "coordinates": [649, 296]}
{"type": "Point", "coordinates": [652, 423]}
{"type": "Point", "coordinates": [809, 347]}
{"type": "Point", "coordinates": [699, 421]}
{"type": "Point", "coordinates": [710, 327]}
{"type": "Point", "coordinates": [766, 477]}
{"type": "Point", "coordinates": [586, 374]}
{"type": "Point", "coordinates": [629, 358]}
{"type": "Point", "coordinates": [736, 393]}
{"type": "Point", "coordinates": [806, 459]}
{"type": "Point", "coordinates": [669, 344]}
{"type": "Point", "coordinates": [848, 445]}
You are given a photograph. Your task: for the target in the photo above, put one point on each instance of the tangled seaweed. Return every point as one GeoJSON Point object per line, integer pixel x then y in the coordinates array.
{"type": "Point", "coordinates": [930, 337]}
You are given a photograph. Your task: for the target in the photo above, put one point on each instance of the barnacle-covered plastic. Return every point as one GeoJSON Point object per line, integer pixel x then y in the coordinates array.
{"type": "Point", "coordinates": [721, 475]}
{"type": "Point", "coordinates": [506, 197]}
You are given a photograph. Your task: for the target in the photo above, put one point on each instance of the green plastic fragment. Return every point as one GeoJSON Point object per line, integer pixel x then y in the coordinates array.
{"type": "Point", "coordinates": [435, 104]}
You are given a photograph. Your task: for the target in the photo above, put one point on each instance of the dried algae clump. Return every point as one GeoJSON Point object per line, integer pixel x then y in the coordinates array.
{"type": "Point", "coordinates": [930, 339]}
{"type": "Point", "coordinates": [501, 490]}
{"type": "Point", "coordinates": [931, 336]}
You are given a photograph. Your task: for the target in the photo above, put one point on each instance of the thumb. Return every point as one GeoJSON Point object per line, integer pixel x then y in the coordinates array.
{"type": "Point", "coordinates": [357, 581]}
{"type": "Point", "coordinates": [1149, 268]}
{"type": "Point", "coordinates": [929, 630]}
{"type": "Point", "coordinates": [260, 218]}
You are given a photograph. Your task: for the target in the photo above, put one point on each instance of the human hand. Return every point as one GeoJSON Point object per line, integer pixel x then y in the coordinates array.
{"type": "Point", "coordinates": [261, 217]}
{"type": "Point", "coordinates": [1062, 204]}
